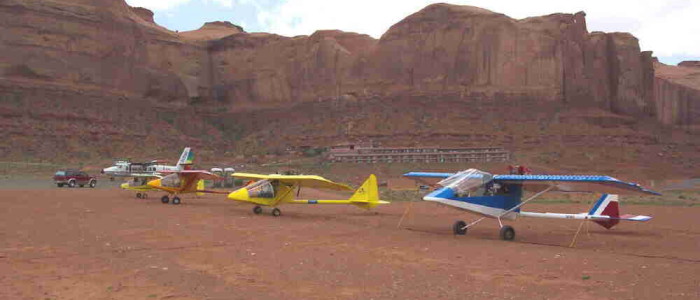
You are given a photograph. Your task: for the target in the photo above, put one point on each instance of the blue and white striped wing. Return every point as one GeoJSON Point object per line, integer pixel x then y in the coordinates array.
{"type": "Point", "coordinates": [576, 183]}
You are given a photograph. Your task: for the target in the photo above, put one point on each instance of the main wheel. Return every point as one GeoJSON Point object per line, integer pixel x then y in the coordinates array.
{"type": "Point", "coordinates": [165, 199]}
{"type": "Point", "coordinates": [257, 210]}
{"type": "Point", "coordinates": [176, 200]}
{"type": "Point", "coordinates": [458, 228]}
{"type": "Point", "coordinates": [71, 183]}
{"type": "Point", "coordinates": [144, 196]}
{"type": "Point", "coordinates": [93, 184]}
{"type": "Point", "coordinates": [507, 233]}
{"type": "Point", "coordinates": [276, 212]}
{"type": "Point", "coordinates": [138, 195]}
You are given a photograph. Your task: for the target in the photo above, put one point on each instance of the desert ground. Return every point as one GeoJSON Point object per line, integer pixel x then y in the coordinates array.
{"type": "Point", "coordinates": [106, 244]}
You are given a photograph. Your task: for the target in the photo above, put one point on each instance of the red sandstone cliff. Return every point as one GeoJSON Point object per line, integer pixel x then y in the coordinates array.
{"type": "Point", "coordinates": [525, 84]}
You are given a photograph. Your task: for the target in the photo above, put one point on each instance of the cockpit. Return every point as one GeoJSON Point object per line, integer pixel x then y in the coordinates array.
{"type": "Point", "coordinates": [472, 183]}
{"type": "Point", "coordinates": [261, 189]}
{"type": "Point", "coordinates": [172, 180]}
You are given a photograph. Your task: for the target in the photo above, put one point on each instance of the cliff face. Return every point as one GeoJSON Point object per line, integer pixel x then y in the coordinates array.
{"type": "Point", "coordinates": [106, 66]}
{"type": "Point", "coordinates": [444, 49]}
{"type": "Point", "coordinates": [677, 93]}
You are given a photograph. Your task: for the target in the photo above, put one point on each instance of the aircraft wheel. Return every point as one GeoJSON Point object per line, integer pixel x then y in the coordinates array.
{"type": "Point", "coordinates": [165, 199]}
{"type": "Point", "coordinates": [144, 196]}
{"type": "Point", "coordinates": [257, 210]}
{"type": "Point", "coordinates": [458, 228]}
{"type": "Point", "coordinates": [276, 212]}
{"type": "Point", "coordinates": [138, 195]}
{"type": "Point", "coordinates": [176, 200]}
{"type": "Point", "coordinates": [507, 233]}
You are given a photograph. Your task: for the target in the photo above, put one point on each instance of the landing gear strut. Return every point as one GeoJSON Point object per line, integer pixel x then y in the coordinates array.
{"type": "Point", "coordinates": [257, 210]}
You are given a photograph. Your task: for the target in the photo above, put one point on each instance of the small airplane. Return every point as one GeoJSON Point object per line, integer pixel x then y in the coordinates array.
{"type": "Point", "coordinates": [125, 168]}
{"type": "Point", "coordinates": [500, 196]}
{"type": "Point", "coordinates": [274, 189]}
{"type": "Point", "coordinates": [183, 182]}
{"type": "Point", "coordinates": [141, 176]}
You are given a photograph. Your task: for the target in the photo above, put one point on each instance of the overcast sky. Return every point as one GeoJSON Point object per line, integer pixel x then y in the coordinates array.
{"type": "Point", "coordinates": [668, 27]}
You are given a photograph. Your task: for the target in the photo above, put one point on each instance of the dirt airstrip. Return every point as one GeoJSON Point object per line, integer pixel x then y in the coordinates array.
{"type": "Point", "coordinates": [105, 244]}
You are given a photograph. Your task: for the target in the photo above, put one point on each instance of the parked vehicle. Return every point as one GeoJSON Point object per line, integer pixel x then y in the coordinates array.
{"type": "Point", "coordinates": [71, 178]}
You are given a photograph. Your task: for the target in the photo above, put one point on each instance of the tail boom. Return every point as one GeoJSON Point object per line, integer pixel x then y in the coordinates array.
{"type": "Point", "coordinates": [367, 196]}
{"type": "Point", "coordinates": [605, 212]}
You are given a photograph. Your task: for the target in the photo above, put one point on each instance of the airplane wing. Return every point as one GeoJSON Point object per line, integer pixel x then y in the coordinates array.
{"type": "Point", "coordinates": [311, 181]}
{"type": "Point", "coordinates": [427, 175]}
{"type": "Point", "coordinates": [576, 183]}
{"type": "Point", "coordinates": [199, 174]}
{"type": "Point", "coordinates": [144, 175]}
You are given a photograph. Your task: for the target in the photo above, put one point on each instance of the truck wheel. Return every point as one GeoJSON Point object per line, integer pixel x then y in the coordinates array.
{"type": "Point", "coordinates": [93, 183]}
{"type": "Point", "coordinates": [71, 183]}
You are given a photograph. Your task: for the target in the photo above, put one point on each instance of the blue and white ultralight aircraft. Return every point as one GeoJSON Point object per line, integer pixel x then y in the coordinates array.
{"type": "Point", "coordinates": [500, 196]}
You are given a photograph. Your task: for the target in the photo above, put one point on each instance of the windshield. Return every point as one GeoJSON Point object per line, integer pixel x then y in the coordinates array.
{"type": "Point", "coordinates": [261, 189]}
{"type": "Point", "coordinates": [468, 182]}
{"type": "Point", "coordinates": [60, 173]}
{"type": "Point", "coordinates": [172, 180]}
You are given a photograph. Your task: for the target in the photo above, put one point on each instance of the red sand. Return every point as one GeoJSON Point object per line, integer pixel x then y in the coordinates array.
{"type": "Point", "coordinates": [105, 244]}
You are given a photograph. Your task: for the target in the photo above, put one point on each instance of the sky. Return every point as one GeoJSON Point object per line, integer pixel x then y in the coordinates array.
{"type": "Point", "coordinates": [667, 27]}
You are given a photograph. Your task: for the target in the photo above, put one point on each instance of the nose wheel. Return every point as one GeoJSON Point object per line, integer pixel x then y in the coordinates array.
{"type": "Point", "coordinates": [176, 201]}
{"type": "Point", "coordinates": [257, 210]}
{"type": "Point", "coordinates": [165, 199]}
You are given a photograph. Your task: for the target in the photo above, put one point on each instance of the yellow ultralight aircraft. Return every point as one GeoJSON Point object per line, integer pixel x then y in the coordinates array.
{"type": "Point", "coordinates": [183, 182]}
{"type": "Point", "coordinates": [273, 190]}
{"type": "Point", "coordinates": [140, 185]}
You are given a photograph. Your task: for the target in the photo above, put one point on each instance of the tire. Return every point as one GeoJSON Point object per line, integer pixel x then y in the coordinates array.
{"type": "Point", "coordinates": [164, 199]}
{"type": "Point", "coordinates": [93, 183]}
{"type": "Point", "coordinates": [458, 228]}
{"type": "Point", "coordinates": [276, 212]}
{"type": "Point", "coordinates": [144, 196]}
{"type": "Point", "coordinates": [71, 183]}
{"type": "Point", "coordinates": [176, 201]}
{"type": "Point", "coordinates": [59, 184]}
{"type": "Point", "coordinates": [138, 195]}
{"type": "Point", "coordinates": [507, 233]}
{"type": "Point", "coordinates": [257, 210]}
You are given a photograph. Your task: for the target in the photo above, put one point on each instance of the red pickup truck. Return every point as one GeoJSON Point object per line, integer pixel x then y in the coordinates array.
{"type": "Point", "coordinates": [71, 178]}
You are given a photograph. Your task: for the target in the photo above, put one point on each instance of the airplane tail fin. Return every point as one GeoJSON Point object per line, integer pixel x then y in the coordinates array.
{"type": "Point", "coordinates": [200, 186]}
{"type": "Point", "coordinates": [606, 212]}
{"type": "Point", "coordinates": [367, 196]}
{"type": "Point", "coordinates": [186, 159]}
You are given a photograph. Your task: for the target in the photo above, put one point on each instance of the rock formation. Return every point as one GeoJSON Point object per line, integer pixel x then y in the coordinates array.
{"type": "Point", "coordinates": [107, 67]}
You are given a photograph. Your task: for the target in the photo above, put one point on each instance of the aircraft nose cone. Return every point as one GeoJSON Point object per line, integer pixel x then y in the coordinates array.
{"type": "Point", "coordinates": [154, 183]}
{"type": "Point", "coordinates": [239, 195]}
